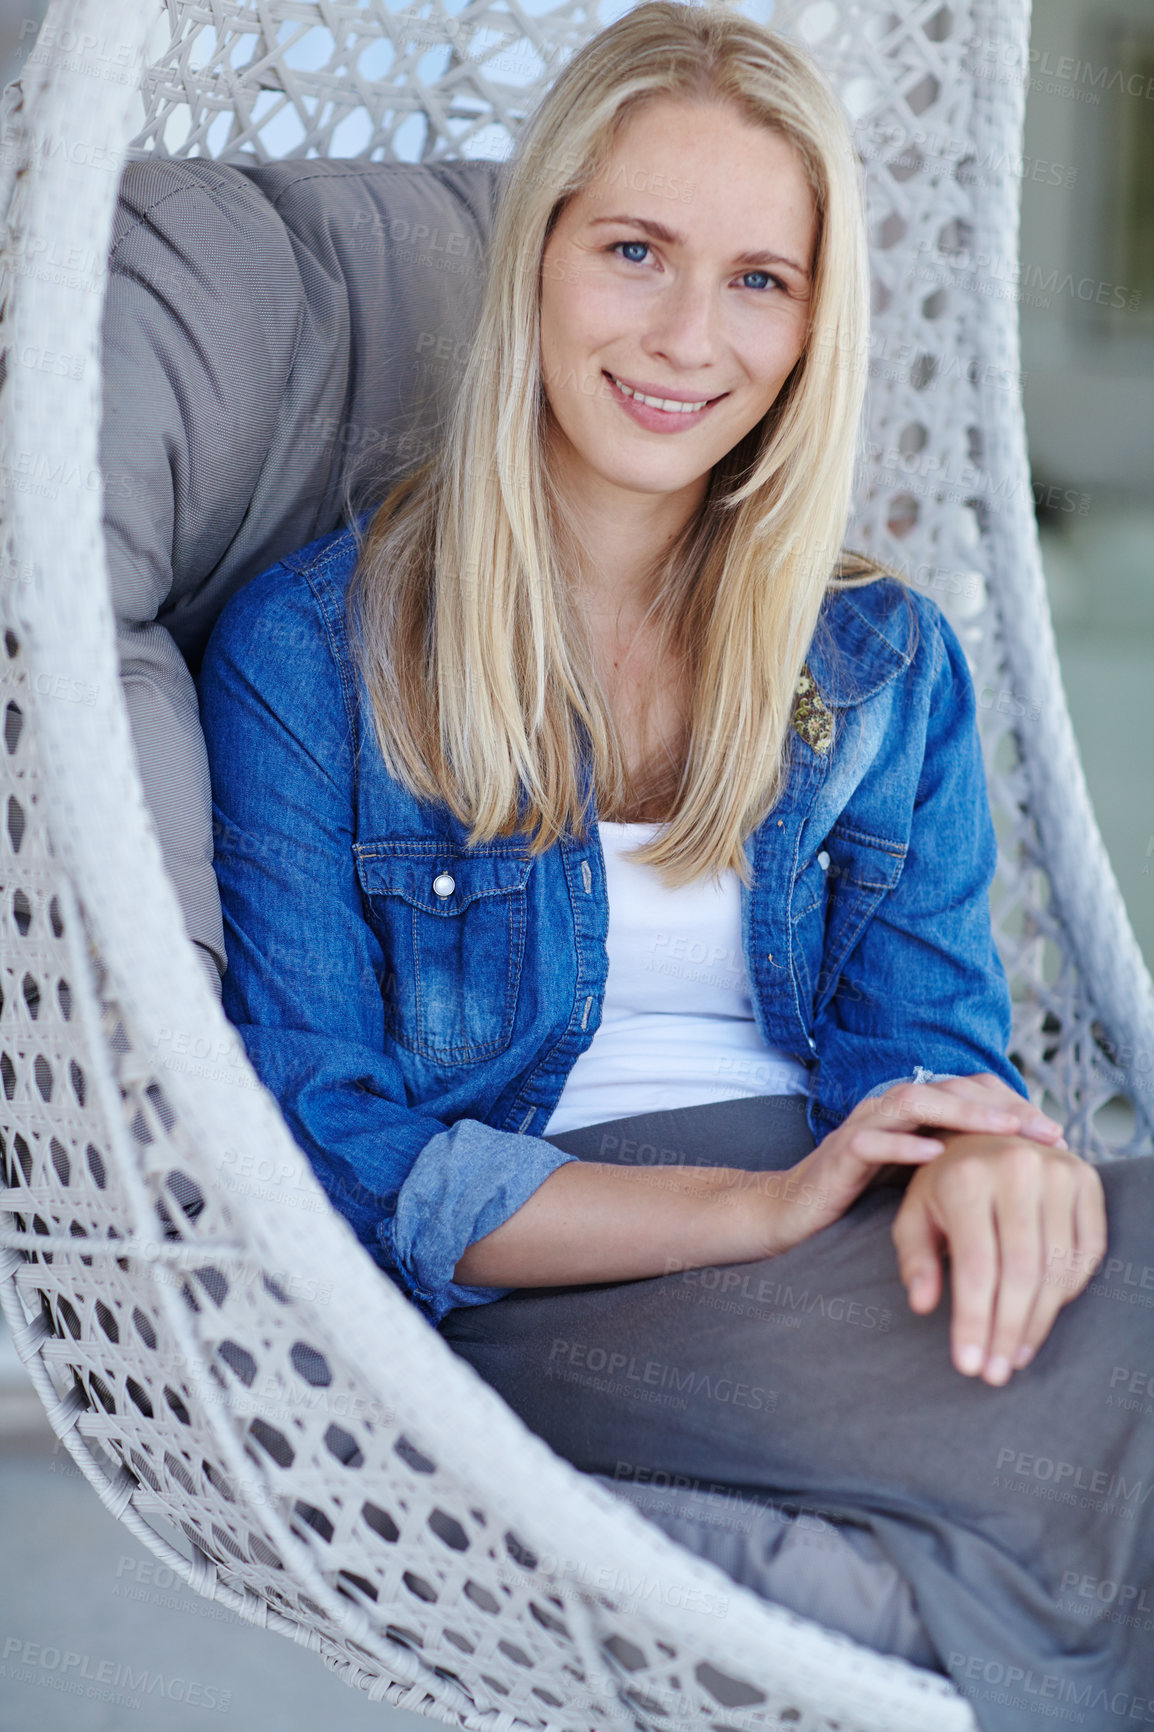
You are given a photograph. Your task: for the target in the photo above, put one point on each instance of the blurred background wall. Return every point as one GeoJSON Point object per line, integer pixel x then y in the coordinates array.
{"type": "Point", "coordinates": [1086, 295]}
{"type": "Point", "coordinates": [19, 24]}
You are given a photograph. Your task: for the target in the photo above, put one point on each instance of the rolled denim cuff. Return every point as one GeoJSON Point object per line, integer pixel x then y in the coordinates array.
{"type": "Point", "coordinates": [919, 1075]}
{"type": "Point", "coordinates": [464, 1183]}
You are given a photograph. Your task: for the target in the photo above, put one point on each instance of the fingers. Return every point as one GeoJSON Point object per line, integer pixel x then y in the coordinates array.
{"type": "Point", "coordinates": [1076, 1266]}
{"type": "Point", "coordinates": [1090, 1225]}
{"type": "Point", "coordinates": [976, 1103]}
{"type": "Point", "coordinates": [874, 1144]}
{"type": "Point", "coordinates": [907, 1105]}
{"type": "Point", "coordinates": [850, 1159]}
{"type": "Point", "coordinates": [1025, 1228]}
{"type": "Point", "coordinates": [968, 1224]}
{"type": "Point", "coordinates": [1030, 1121]}
{"type": "Point", "coordinates": [1031, 1219]}
{"type": "Point", "coordinates": [919, 1247]}
{"type": "Point", "coordinates": [1068, 1268]}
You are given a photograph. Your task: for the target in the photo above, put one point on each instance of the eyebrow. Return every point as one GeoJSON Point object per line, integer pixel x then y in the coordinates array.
{"type": "Point", "coordinates": [672, 238]}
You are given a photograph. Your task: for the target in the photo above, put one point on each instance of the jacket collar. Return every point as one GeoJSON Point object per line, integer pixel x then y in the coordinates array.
{"type": "Point", "coordinates": [864, 636]}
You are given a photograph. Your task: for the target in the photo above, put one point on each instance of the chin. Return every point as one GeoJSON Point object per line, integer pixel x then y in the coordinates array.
{"type": "Point", "coordinates": [649, 480]}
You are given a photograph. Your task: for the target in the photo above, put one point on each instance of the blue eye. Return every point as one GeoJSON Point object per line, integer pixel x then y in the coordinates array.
{"type": "Point", "coordinates": [644, 246]}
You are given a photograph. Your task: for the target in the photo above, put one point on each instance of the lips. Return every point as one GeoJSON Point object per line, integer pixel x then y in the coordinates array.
{"type": "Point", "coordinates": [636, 393]}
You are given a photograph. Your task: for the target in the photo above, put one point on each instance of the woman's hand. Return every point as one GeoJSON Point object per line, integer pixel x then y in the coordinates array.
{"type": "Point", "coordinates": [1025, 1228]}
{"type": "Point", "coordinates": [885, 1132]}
{"type": "Point", "coordinates": [1022, 1219]}
{"type": "Point", "coordinates": [984, 1086]}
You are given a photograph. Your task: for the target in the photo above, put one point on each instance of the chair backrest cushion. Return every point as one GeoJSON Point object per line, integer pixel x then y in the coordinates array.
{"type": "Point", "coordinates": [268, 330]}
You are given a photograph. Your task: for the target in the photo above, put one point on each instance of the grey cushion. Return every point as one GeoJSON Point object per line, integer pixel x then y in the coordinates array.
{"type": "Point", "coordinates": [271, 333]}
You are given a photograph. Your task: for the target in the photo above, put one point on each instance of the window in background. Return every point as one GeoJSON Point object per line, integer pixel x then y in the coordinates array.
{"type": "Point", "coordinates": [1087, 319]}
{"type": "Point", "coordinates": [1134, 149]}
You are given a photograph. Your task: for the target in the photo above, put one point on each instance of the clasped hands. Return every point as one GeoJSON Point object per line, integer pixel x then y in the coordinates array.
{"type": "Point", "coordinates": [1022, 1219]}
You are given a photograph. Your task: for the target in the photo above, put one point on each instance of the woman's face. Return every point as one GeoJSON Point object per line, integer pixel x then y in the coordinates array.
{"type": "Point", "coordinates": [684, 272]}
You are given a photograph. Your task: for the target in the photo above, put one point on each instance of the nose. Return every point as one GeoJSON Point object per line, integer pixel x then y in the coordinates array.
{"type": "Point", "coordinates": [683, 329]}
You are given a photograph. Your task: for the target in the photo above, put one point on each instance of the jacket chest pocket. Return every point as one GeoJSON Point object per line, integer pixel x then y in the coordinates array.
{"type": "Point", "coordinates": [861, 870]}
{"type": "Point", "coordinates": [452, 928]}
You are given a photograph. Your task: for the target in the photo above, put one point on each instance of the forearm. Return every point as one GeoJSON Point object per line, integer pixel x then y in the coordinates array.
{"type": "Point", "coordinates": [589, 1221]}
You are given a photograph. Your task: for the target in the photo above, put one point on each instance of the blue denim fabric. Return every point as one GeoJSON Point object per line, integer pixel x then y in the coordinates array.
{"type": "Point", "coordinates": [416, 1006]}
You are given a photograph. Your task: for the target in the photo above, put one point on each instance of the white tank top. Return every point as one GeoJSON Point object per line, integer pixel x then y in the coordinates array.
{"type": "Point", "coordinates": [677, 1026]}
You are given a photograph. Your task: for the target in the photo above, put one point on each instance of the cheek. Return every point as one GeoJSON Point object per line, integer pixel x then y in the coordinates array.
{"type": "Point", "coordinates": [570, 341]}
{"type": "Point", "coordinates": [584, 310]}
{"type": "Point", "coordinates": [553, 337]}
{"type": "Point", "coordinates": [560, 357]}
{"type": "Point", "coordinates": [555, 270]}
{"type": "Point", "coordinates": [561, 324]}
{"type": "Point", "coordinates": [781, 357]}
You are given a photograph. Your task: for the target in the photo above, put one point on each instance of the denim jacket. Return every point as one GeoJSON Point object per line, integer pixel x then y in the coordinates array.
{"type": "Point", "coordinates": [415, 1006]}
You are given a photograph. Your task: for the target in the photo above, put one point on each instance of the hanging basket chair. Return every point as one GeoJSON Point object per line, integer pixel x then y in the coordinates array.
{"type": "Point", "coordinates": [235, 1378]}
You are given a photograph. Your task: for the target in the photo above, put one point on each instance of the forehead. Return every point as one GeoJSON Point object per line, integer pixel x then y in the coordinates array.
{"type": "Point", "coordinates": [714, 128]}
{"type": "Point", "coordinates": [699, 166]}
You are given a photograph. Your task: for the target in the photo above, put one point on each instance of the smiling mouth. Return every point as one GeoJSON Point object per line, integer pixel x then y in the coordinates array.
{"type": "Point", "coordinates": [668, 404]}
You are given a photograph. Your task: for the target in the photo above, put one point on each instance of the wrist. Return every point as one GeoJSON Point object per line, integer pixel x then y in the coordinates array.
{"type": "Point", "coordinates": [730, 1229]}
{"type": "Point", "coordinates": [783, 1206]}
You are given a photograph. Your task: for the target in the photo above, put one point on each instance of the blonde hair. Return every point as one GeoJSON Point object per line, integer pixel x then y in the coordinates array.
{"type": "Point", "coordinates": [474, 654]}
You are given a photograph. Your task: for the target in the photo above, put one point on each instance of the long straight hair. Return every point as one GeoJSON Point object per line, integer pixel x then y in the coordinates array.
{"type": "Point", "coordinates": [463, 617]}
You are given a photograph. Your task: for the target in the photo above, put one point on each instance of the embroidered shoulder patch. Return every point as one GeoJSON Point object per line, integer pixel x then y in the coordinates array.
{"type": "Point", "coordinates": [812, 718]}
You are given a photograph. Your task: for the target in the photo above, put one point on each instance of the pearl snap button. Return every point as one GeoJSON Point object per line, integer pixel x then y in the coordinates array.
{"type": "Point", "coordinates": [823, 860]}
{"type": "Point", "coordinates": [444, 884]}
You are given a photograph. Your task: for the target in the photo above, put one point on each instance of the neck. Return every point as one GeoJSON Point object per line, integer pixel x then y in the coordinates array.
{"type": "Point", "coordinates": [621, 536]}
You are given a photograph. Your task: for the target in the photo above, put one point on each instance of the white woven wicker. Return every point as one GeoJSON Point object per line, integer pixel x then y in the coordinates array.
{"type": "Point", "coordinates": [232, 1374]}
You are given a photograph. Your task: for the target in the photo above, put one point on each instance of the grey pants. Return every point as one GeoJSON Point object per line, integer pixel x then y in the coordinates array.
{"type": "Point", "coordinates": [1009, 1532]}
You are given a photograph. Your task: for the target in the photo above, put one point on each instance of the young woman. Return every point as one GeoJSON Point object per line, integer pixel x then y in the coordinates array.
{"type": "Point", "coordinates": [605, 856]}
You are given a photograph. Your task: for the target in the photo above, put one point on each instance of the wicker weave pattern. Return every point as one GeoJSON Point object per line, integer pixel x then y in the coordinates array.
{"type": "Point", "coordinates": [946, 496]}
{"type": "Point", "coordinates": [299, 79]}
{"type": "Point", "coordinates": [221, 1359]}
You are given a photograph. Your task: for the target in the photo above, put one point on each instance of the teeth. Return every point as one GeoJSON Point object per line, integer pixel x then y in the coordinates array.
{"type": "Point", "coordinates": [660, 402]}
